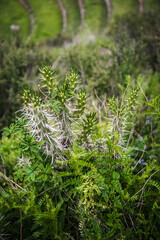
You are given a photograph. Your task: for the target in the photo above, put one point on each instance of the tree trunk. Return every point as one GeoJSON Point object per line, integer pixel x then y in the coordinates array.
{"type": "Point", "coordinates": [141, 6]}
{"type": "Point", "coordinates": [64, 14]}
{"type": "Point", "coordinates": [25, 4]}
{"type": "Point", "coordinates": [82, 10]}
{"type": "Point", "coordinates": [108, 5]}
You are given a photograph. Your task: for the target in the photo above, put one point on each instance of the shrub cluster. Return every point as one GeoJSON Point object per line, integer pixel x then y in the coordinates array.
{"type": "Point", "coordinates": [76, 178]}
{"type": "Point", "coordinates": [18, 63]}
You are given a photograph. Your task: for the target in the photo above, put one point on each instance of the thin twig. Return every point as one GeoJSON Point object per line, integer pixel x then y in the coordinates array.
{"type": "Point", "coordinates": [125, 221]}
{"type": "Point", "coordinates": [142, 91]}
{"type": "Point", "coordinates": [20, 224]}
{"type": "Point", "coordinates": [45, 191]}
{"type": "Point", "coordinates": [152, 136]}
{"type": "Point", "coordinates": [141, 170]}
{"type": "Point", "coordinates": [12, 183]}
{"type": "Point", "coordinates": [43, 93]}
{"type": "Point", "coordinates": [142, 189]}
{"type": "Point", "coordinates": [132, 222]}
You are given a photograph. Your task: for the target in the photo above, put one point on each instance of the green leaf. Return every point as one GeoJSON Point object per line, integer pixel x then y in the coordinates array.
{"type": "Point", "coordinates": [116, 176]}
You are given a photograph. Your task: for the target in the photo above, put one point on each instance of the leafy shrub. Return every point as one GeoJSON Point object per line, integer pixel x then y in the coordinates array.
{"type": "Point", "coordinates": [17, 65]}
{"type": "Point", "coordinates": [143, 28]}
{"type": "Point", "coordinates": [9, 151]}
{"type": "Point", "coordinates": [146, 123]}
{"type": "Point", "coordinates": [104, 64]}
{"type": "Point", "coordinates": [153, 117]}
{"type": "Point", "coordinates": [74, 179]}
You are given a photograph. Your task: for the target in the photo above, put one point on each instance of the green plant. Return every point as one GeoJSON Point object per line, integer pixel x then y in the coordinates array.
{"type": "Point", "coordinates": [143, 28]}
{"type": "Point", "coordinates": [9, 151]}
{"type": "Point", "coordinates": [103, 64]}
{"type": "Point", "coordinates": [153, 118]}
{"type": "Point", "coordinates": [74, 179]}
{"type": "Point", "coordinates": [17, 63]}
{"type": "Point", "coordinates": [17, 15]}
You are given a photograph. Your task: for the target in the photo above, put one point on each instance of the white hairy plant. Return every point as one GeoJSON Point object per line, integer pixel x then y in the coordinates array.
{"type": "Point", "coordinates": [116, 119]}
{"type": "Point", "coordinates": [120, 117]}
{"type": "Point", "coordinates": [45, 126]}
{"type": "Point", "coordinates": [55, 116]}
{"type": "Point", "coordinates": [23, 161]}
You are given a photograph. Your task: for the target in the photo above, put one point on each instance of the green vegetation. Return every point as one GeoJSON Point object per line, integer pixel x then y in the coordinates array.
{"type": "Point", "coordinates": [73, 16]}
{"type": "Point", "coordinates": [80, 123]}
{"type": "Point", "coordinates": [48, 20]}
{"type": "Point", "coordinates": [16, 71]}
{"type": "Point", "coordinates": [12, 13]}
{"type": "Point", "coordinates": [121, 8]}
{"type": "Point", "coordinates": [95, 14]}
{"type": "Point", "coordinates": [75, 179]}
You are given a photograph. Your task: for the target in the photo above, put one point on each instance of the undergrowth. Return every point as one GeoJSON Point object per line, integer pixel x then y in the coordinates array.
{"type": "Point", "coordinates": [77, 177]}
